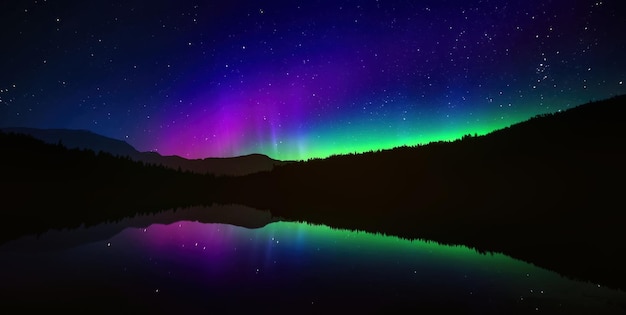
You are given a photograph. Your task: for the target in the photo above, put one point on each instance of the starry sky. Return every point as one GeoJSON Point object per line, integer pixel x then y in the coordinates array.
{"type": "Point", "coordinates": [302, 79]}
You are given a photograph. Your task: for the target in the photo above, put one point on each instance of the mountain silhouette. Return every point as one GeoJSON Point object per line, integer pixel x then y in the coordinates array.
{"type": "Point", "coordinates": [84, 139]}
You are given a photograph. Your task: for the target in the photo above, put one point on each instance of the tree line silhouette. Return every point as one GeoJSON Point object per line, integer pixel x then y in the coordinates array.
{"type": "Point", "coordinates": [49, 186]}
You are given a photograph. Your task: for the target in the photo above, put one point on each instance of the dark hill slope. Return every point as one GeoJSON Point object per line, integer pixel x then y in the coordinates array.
{"type": "Point", "coordinates": [548, 190]}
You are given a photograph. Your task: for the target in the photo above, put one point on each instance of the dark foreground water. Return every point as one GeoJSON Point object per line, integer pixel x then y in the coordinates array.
{"type": "Point", "coordinates": [187, 266]}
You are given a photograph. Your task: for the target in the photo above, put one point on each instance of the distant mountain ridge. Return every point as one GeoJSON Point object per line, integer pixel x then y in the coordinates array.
{"type": "Point", "coordinates": [84, 139]}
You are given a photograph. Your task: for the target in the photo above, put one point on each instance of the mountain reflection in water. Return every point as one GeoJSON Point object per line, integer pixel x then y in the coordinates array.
{"type": "Point", "coordinates": [171, 262]}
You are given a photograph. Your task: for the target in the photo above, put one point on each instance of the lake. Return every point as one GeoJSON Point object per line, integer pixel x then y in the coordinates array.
{"type": "Point", "coordinates": [234, 259]}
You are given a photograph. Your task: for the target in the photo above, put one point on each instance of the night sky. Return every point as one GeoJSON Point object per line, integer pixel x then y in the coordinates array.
{"type": "Point", "coordinates": [302, 79]}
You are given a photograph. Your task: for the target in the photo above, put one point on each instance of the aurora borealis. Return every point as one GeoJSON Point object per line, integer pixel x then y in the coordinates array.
{"type": "Point", "coordinates": [302, 79]}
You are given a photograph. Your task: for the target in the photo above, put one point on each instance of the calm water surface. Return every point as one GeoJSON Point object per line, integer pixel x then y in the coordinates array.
{"type": "Point", "coordinates": [283, 267]}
